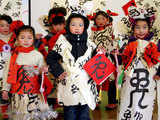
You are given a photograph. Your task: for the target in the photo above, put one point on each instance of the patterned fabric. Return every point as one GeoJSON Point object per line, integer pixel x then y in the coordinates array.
{"type": "Point", "coordinates": [78, 87]}
{"type": "Point", "coordinates": [24, 105]}
{"type": "Point", "coordinates": [7, 41]}
{"type": "Point", "coordinates": [104, 38]}
{"type": "Point", "coordinates": [139, 88]}
{"type": "Point", "coordinates": [26, 100]}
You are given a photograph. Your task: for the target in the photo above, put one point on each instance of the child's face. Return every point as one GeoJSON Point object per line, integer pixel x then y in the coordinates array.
{"type": "Point", "coordinates": [58, 27]}
{"type": "Point", "coordinates": [141, 29]}
{"type": "Point", "coordinates": [25, 39]}
{"type": "Point", "coordinates": [76, 26]}
{"type": "Point", "coordinates": [4, 27]}
{"type": "Point", "coordinates": [101, 21]}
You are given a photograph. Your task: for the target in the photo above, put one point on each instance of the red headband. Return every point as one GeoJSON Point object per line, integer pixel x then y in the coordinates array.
{"type": "Point", "coordinates": [54, 15]}
{"type": "Point", "coordinates": [110, 13]}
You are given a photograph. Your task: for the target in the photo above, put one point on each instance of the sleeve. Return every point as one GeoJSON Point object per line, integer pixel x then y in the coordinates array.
{"type": "Point", "coordinates": [53, 60]}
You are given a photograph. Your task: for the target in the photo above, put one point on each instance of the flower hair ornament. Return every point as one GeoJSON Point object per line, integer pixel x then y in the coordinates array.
{"type": "Point", "coordinates": [54, 15]}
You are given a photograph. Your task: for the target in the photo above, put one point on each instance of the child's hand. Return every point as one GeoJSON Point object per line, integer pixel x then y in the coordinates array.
{"type": "Point", "coordinates": [101, 49]}
{"type": "Point", "coordinates": [44, 69]}
{"type": "Point", "coordinates": [156, 77]}
{"type": "Point", "coordinates": [5, 95]}
{"type": "Point", "coordinates": [62, 76]}
{"type": "Point", "coordinates": [38, 36]}
{"type": "Point", "coordinates": [115, 52]}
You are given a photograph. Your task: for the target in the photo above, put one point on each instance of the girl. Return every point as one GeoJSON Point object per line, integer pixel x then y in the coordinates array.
{"type": "Point", "coordinates": [140, 59]}
{"type": "Point", "coordinates": [102, 35]}
{"type": "Point", "coordinates": [25, 66]}
{"type": "Point", "coordinates": [7, 40]}
{"type": "Point", "coordinates": [76, 91]}
{"type": "Point", "coordinates": [56, 25]}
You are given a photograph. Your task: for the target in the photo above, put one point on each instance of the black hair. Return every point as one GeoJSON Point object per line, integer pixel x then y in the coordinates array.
{"type": "Point", "coordinates": [139, 19]}
{"type": "Point", "coordinates": [26, 28]}
{"type": "Point", "coordinates": [57, 19]}
{"type": "Point", "coordinates": [6, 18]}
{"type": "Point", "coordinates": [75, 15]}
{"type": "Point", "coordinates": [103, 14]}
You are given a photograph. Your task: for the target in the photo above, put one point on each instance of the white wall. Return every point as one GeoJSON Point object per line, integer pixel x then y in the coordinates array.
{"type": "Point", "coordinates": [25, 12]}
{"type": "Point", "coordinates": [39, 8]}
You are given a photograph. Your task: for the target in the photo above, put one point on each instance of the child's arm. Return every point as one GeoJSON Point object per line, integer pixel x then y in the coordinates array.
{"type": "Point", "coordinates": [53, 60]}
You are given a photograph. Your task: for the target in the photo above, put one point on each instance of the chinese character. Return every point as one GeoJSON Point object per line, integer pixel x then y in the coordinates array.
{"type": "Point", "coordinates": [140, 83]}
{"type": "Point", "coordinates": [100, 65]}
{"type": "Point", "coordinates": [127, 115]}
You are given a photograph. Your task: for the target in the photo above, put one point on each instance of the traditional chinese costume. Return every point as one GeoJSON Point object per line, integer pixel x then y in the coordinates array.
{"type": "Point", "coordinates": [78, 88]}
{"type": "Point", "coordinates": [141, 60]}
{"type": "Point", "coordinates": [24, 83]}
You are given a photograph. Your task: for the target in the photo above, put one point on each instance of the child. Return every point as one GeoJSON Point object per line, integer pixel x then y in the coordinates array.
{"type": "Point", "coordinates": [56, 27]}
{"type": "Point", "coordinates": [76, 90]}
{"type": "Point", "coordinates": [140, 59]}
{"type": "Point", "coordinates": [102, 35]}
{"type": "Point", "coordinates": [7, 40]}
{"type": "Point", "coordinates": [26, 64]}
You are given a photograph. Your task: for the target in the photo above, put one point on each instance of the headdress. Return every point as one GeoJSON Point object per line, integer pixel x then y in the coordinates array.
{"type": "Point", "coordinates": [133, 11]}
{"type": "Point", "coordinates": [109, 13]}
{"type": "Point", "coordinates": [79, 11]}
{"type": "Point", "coordinates": [56, 15]}
{"type": "Point", "coordinates": [139, 13]}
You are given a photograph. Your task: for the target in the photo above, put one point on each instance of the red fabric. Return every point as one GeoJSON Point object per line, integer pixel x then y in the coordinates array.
{"type": "Point", "coordinates": [15, 25]}
{"type": "Point", "coordinates": [53, 40]}
{"type": "Point", "coordinates": [12, 75]}
{"type": "Point", "coordinates": [48, 87]}
{"type": "Point", "coordinates": [91, 17]}
{"type": "Point", "coordinates": [45, 41]}
{"type": "Point", "coordinates": [95, 28]}
{"type": "Point", "coordinates": [99, 68]}
{"type": "Point", "coordinates": [11, 42]}
{"type": "Point", "coordinates": [25, 83]}
{"type": "Point", "coordinates": [43, 50]}
{"type": "Point", "coordinates": [54, 15]}
{"type": "Point", "coordinates": [129, 4]}
{"type": "Point", "coordinates": [110, 13]}
{"type": "Point", "coordinates": [129, 53]}
{"type": "Point", "coordinates": [105, 85]}
{"type": "Point", "coordinates": [2, 43]}
{"type": "Point", "coordinates": [4, 109]}
{"type": "Point", "coordinates": [151, 54]}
